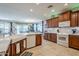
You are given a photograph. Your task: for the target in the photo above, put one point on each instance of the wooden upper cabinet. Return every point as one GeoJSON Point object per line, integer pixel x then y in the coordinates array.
{"type": "Point", "coordinates": [66, 16]}
{"type": "Point", "coordinates": [49, 23]}
{"type": "Point", "coordinates": [78, 19]}
{"type": "Point", "coordinates": [74, 41]}
{"type": "Point", "coordinates": [74, 19]}
{"type": "Point", "coordinates": [60, 18]}
{"type": "Point", "coordinates": [54, 22]}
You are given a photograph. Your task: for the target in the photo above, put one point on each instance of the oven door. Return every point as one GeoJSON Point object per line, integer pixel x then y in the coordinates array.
{"type": "Point", "coordinates": [62, 38]}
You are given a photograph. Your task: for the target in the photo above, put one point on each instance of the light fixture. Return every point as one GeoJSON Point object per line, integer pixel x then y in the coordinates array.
{"type": "Point", "coordinates": [31, 10]}
{"type": "Point", "coordinates": [37, 3]}
{"type": "Point", "coordinates": [53, 10]}
{"type": "Point", "coordinates": [66, 4]}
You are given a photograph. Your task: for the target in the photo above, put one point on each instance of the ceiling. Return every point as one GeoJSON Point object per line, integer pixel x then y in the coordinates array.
{"type": "Point", "coordinates": [21, 11]}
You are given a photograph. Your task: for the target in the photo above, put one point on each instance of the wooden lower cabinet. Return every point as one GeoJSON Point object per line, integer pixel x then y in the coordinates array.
{"type": "Point", "coordinates": [46, 36]}
{"type": "Point", "coordinates": [9, 51]}
{"type": "Point", "coordinates": [23, 45]}
{"type": "Point", "coordinates": [17, 48]}
{"type": "Point", "coordinates": [38, 39]}
{"type": "Point", "coordinates": [51, 37]}
{"type": "Point", "coordinates": [74, 41]}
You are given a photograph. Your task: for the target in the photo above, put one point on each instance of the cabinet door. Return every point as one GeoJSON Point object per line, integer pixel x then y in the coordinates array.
{"type": "Point", "coordinates": [45, 36]}
{"type": "Point", "coordinates": [13, 49]}
{"type": "Point", "coordinates": [61, 18]}
{"type": "Point", "coordinates": [74, 41]}
{"type": "Point", "coordinates": [23, 45]}
{"type": "Point", "coordinates": [38, 39]}
{"type": "Point", "coordinates": [53, 37]}
{"type": "Point", "coordinates": [56, 22]}
{"type": "Point", "coordinates": [52, 23]}
{"type": "Point", "coordinates": [67, 16]}
{"type": "Point", "coordinates": [78, 19]}
{"type": "Point", "coordinates": [49, 38]}
{"type": "Point", "coordinates": [49, 23]}
{"type": "Point", "coordinates": [74, 19]}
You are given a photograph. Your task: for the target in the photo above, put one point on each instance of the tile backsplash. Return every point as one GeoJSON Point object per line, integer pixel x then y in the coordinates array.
{"type": "Point", "coordinates": [51, 30]}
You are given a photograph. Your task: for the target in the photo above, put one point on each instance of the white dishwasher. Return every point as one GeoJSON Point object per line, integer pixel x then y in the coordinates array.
{"type": "Point", "coordinates": [31, 40]}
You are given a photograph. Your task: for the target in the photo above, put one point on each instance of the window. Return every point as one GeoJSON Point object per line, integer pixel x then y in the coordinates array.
{"type": "Point", "coordinates": [39, 27]}
{"type": "Point", "coordinates": [7, 28]}
{"type": "Point", "coordinates": [21, 28]}
{"type": "Point", "coordinates": [4, 28]}
{"type": "Point", "coordinates": [35, 27]}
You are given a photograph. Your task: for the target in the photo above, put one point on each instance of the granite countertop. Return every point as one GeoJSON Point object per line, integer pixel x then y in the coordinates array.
{"type": "Point", "coordinates": [75, 34]}
{"type": "Point", "coordinates": [16, 38]}
{"type": "Point", "coordinates": [31, 33]}
{"type": "Point", "coordinates": [68, 33]}
{"type": "Point", "coordinates": [4, 44]}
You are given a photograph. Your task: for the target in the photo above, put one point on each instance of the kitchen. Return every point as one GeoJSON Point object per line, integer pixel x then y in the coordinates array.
{"type": "Point", "coordinates": [19, 37]}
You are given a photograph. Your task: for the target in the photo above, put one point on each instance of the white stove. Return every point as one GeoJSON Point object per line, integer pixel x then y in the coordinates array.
{"type": "Point", "coordinates": [62, 40]}
{"type": "Point", "coordinates": [63, 33]}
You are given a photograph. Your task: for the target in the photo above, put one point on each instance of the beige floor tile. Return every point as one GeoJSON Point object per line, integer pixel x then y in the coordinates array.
{"type": "Point", "coordinates": [52, 49]}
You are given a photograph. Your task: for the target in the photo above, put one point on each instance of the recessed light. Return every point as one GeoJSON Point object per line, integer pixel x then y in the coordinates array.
{"type": "Point", "coordinates": [31, 10]}
{"type": "Point", "coordinates": [37, 3]}
{"type": "Point", "coordinates": [66, 4]}
{"type": "Point", "coordinates": [53, 10]}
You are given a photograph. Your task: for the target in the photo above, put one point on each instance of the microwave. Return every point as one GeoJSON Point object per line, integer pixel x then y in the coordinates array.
{"type": "Point", "coordinates": [64, 24]}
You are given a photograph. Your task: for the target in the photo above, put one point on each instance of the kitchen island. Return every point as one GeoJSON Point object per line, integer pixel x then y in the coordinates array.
{"type": "Point", "coordinates": [21, 42]}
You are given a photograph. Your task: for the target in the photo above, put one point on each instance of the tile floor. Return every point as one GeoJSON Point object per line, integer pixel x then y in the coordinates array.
{"type": "Point", "coordinates": [52, 49]}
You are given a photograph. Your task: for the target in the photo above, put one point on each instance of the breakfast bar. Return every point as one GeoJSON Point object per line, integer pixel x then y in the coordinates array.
{"type": "Point", "coordinates": [21, 42]}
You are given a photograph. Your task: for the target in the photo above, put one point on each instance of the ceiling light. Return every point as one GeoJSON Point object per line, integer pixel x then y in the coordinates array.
{"type": "Point", "coordinates": [31, 10]}
{"type": "Point", "coordinates": [66, 4]}
{"type": "Point", "coordinates": [37, 3]}
{"type": "Point", "coordinates": [53, 10]}
{"type": "Point", "coordinates": [50, 6]}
